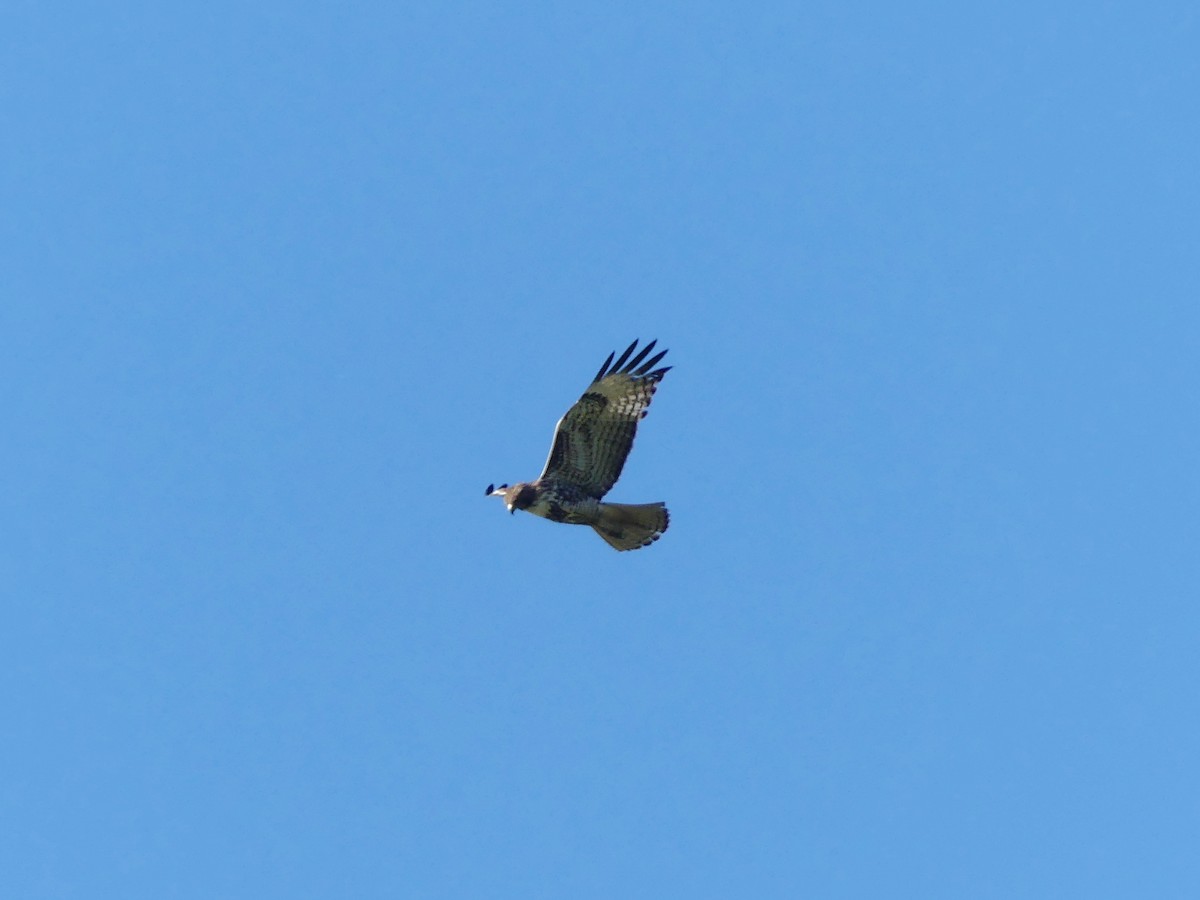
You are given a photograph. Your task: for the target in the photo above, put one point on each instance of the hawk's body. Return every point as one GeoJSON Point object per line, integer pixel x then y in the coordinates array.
{"type": "Point", "coordinates": [591, 444]}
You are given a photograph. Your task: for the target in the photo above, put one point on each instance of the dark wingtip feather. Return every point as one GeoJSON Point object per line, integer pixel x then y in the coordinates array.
{"type": "Point", "coordinates": [488, 492]}
{"type": "Point", "coordinates": [604, 368]}
{"type": "Point", "coordinates": [624, 356]}
{"type": "Point", "coordinates": [633, 363]}
{"type": "Point", "coordinates": [649, 364]}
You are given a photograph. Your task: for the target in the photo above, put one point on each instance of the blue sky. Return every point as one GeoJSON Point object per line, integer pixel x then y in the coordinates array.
{"type": "Point", "coordinates": [285, 286]}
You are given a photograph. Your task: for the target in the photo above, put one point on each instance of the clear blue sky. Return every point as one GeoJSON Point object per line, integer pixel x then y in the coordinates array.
{"type": "Point", "coordinates": [285, 286]}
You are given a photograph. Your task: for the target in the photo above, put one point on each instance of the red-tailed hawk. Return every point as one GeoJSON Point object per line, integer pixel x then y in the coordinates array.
{"type": "Point", "coordinates": [591, 443]}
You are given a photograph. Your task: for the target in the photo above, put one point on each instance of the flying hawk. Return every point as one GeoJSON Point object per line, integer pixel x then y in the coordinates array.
{"type": "Point", "coordinates": [591, 443]}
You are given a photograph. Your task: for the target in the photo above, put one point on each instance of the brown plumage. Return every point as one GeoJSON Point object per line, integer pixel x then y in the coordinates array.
{"type": "Point", "coordinates": [591, 443]}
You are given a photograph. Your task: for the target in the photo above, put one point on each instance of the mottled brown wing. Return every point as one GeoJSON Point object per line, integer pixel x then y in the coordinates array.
{"type": "Point", "coordinates": [594, 438]}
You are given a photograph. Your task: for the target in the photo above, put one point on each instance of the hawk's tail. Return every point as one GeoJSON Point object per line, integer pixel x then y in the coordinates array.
{"type": "Point", "coordinates": [628, 526]}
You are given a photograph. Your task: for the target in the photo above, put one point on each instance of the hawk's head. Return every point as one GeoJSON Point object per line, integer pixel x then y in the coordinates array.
{"type": "Point", "coordinates": [519, 496]}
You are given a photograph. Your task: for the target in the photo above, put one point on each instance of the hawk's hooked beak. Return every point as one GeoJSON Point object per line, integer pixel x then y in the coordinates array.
{"type": "Point", "coordinates": [493, 491]}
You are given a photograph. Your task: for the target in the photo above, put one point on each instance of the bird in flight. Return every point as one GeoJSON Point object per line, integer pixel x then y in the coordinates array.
{"type": "Point", "coordinates": [591, 443]}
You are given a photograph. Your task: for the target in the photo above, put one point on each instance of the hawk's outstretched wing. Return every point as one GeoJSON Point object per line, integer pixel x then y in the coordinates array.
{"type": "Point", "coordinates": [592, 441]}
